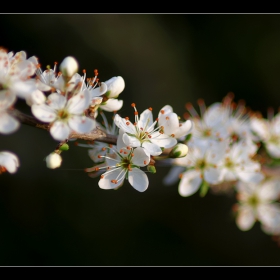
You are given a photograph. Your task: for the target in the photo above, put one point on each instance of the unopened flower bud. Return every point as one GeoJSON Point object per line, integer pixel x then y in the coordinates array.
{"type": "Point", "coordinates": [53, 160]}
{"type": "Point", "coordinates": [180, 150]}
{"type": "Point", "coordinates": [69, 67]}
{"type": "Point", "coordinates": [115, 86]}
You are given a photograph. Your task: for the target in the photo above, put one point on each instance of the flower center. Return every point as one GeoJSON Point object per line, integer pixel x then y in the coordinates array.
{"type": "Point", "coordinates": [63, 114]}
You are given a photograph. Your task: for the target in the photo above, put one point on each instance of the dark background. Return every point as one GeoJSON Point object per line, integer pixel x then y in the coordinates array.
{"type": "Point", "coordinates": [61, 217]}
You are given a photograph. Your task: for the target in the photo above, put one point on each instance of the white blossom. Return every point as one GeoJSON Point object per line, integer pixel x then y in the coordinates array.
{"type": "Point", "coordinates": [8, 162]}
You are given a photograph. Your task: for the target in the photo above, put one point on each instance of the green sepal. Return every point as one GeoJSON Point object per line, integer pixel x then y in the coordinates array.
{"type": "Point", "coordinates": [188, 137]}
{"type": "Point", "coordinates": [108, 93]}
{"type": "Point", "coordinates": [152, 169]}
{"type": "Point", "coordinates": [204, 187]}
{"type": "Point", "coordinates": [175, 155]}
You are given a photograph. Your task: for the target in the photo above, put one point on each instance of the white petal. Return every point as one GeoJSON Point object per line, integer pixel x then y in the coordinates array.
{"type": "Point", "coordinates": [43, 112]}
{"type": "Point", "coordinates": [81, 124]}
{"type": "Point", "coordinates": [270, 189]}
{"type": "Point", "coordinates": [124, 124]}
{"type": "Point", "coordinates": [152, 149]}
{"type": "Point", "coordinates": [184, 129]}
{"type": "Point", "coordinates": [165, 110]}
{"type": "Point", "coordinates": [115, 86]}
{"type": "Point", "coordinates": [105, 182]}
{"type": "Point", "coordinates": [131, 141]}
{"type": "Point", "coordinates": [98, 91]}
{"type": "Point", "coordinates": [141, 157]}
{"type": "Point", "coordinates": [138, 179]}
{"type": "Point", "coordinates": [56, 101]}
{"type": "Point", "coordinates": [112, 105]}
{"type": "Point", "coordinates": [60, 130]}
{"type": "Point", "coordinates": [23, 88]}
{"type": "Point", "coordinates": [273, 149]}
{"type": "Point", "coordinates": [9, 160]}
{"type": "Point", "coordinates": [36, 97]}
{"type": "Point", "coordinates": [7, 98]}
{"type": "Point", "coordinates": [245, 218]}
{"type": "Point", "coordinates": [163, 140]}
{"type": "Point", "coordinates": [146, 119]}
{"type": "Point", "coordinates": [8, 124]}
{"type": "Point", "coordinates": [269, 214]}
{"type": "Point", "coordinates": [189, 183]}
{"type": "Point", "coordinates": [212, 175]}
{"type": "Point", "coordinates": [79, 103]}
{"type": "Point", "coordinates": [169, 122]}
{"type": "Point", "coordinates": [173, 175]}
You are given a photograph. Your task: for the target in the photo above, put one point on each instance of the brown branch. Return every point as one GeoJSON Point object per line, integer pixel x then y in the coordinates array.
{"type": "Point", "coordinates": [95, 135]}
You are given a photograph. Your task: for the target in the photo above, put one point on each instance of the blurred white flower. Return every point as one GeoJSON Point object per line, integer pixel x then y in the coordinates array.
{"type": "Point", "coordinates": [257, 202]}
{"type": "Point", "coordinates": [8, 162]}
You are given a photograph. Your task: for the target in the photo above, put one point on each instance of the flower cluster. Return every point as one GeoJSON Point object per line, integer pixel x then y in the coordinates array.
{"type": "Point", "coordinates": [225, 148]}
{"type": "Point", "coordinates": [233, 150]}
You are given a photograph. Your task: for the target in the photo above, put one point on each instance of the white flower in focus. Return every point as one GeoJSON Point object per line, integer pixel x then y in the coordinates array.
{"type": "Point", "coordinates": [256, 202]}
{"type": "Point", "coordinates": [8, 162]}
{"type": "Point", "coordinates": [8, 124]}
{"type": "Point", "coordinates": [53, 160]}
{"type": "Point", "coordinates": [143, 133]}
{"type": "Point", "coordinates": [124, 163]}
{"type": "Point", "coordinates": [171, 125]}
{"type": "Point", "coordinates": [65, 115]}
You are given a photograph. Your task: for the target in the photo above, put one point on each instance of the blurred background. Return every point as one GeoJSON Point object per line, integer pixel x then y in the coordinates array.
{"type": "Point", "coordinates": [61, 217]}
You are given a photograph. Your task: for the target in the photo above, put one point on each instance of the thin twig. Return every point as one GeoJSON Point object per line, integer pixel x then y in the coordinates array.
{"type": "Point", "coordinates": [95, 135]}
